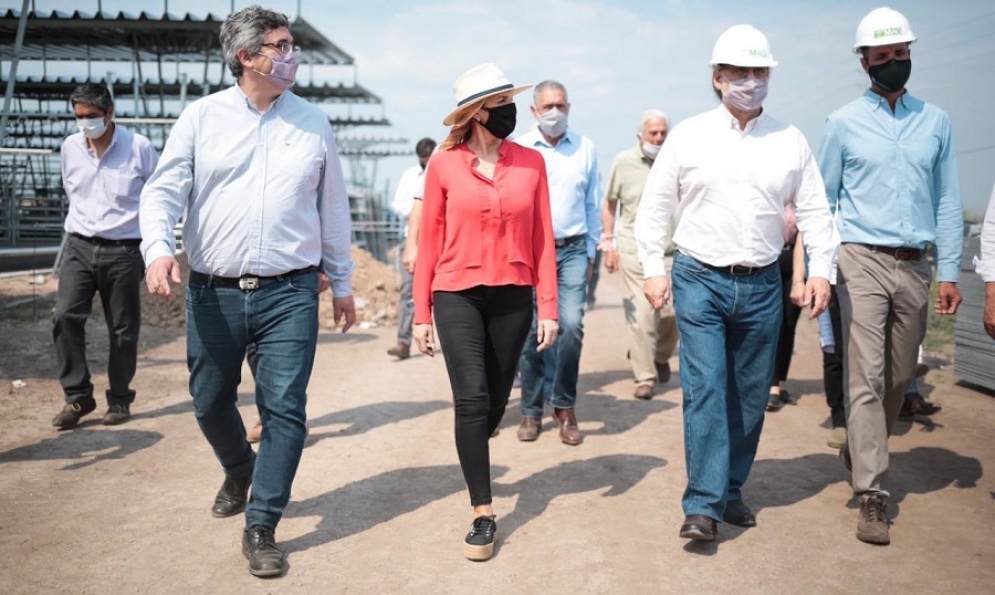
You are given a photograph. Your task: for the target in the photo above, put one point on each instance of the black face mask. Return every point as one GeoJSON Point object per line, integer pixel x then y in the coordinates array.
{"type": "Point", "coordinates": [501, 120]}
{"type": "Point", "coordinates": [891, 76]}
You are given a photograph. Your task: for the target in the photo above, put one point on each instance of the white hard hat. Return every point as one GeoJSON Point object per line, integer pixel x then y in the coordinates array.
{"type": "Point", "coordinates": [742, 45]}
{"type": "Point", "coordinates": [882, 26]}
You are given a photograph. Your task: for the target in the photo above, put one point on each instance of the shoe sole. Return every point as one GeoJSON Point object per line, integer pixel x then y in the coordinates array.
{"type": "Point", "coordinates": [834, 444]}
{"type": "Point", "coordinates": [873, 539]}
{"type": "Point", "coordinates": [528, 438]}
{"type": "Point", "coordinates": [569, 442]}
{"type": "Point", "coordinates": [265, 573]}
{"type": "Point", "coordinates": [741, 522]}
{"type": "Point", "coordinates": [478, 553]}
{"type": "Point", "coordinates": [696, 534]}
{"type": "Point", "coordinates": [115, 422]}
{"type": "Point", "coordinates": [219, 515]}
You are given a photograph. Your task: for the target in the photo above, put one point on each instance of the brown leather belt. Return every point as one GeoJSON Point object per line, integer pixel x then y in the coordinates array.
{"type": "Point", "coordinates": [898, 253]}
{"type": "Point", "coordinates": [245, 282]}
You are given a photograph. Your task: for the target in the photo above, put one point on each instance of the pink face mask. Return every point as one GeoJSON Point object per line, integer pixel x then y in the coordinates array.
{"type": "Point", "coordinates": [746, 94]}
{"type": "Point", "coordinates": [284, 72]}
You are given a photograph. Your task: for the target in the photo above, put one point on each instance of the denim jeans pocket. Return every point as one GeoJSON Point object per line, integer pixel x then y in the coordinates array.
{"type": "Point", "coordinates": [305, 283]}
{"type": "Point", "coordinates": [688, 264]}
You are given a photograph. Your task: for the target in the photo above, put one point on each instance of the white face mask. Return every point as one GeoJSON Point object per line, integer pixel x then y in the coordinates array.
{"type": "Point", "coordinates": [746, 94]}
{"type": "Point", "coordinates": [91, 127]}
{"type": "Point", "coordinates": [651, 150]}
{"type": "Point", "coordinates": [553, 123]}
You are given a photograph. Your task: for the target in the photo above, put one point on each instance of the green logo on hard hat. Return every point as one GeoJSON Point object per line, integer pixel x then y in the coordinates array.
{"type": "Point", "coordinates": [761, 53]}
{"type": "Point", "coordinates": [889, 32]}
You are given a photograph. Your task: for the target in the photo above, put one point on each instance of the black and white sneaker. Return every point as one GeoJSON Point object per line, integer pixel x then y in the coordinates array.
{"type": "Point", "coordinates": [479, 542]}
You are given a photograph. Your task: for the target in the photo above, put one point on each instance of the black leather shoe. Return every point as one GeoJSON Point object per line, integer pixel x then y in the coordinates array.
{"type": "Point", "coordinates": [698, 527]}
{"type": "Point", "coordinates": [259, 546]}
{"type": "Point", "coordinates": [739, 514]}
{"type": "Point", "coordinates": [231, 497]}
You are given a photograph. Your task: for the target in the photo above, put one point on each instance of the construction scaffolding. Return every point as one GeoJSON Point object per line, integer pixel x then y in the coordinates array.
{"type": "Point", "coordinates": [173, 59]}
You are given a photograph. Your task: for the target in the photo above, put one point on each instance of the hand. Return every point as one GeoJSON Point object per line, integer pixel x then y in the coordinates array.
{"type": "Point", "coordinates": [160, 273]}
{"type": "Point", "coordinates": [989, 316]}
{"type": "Point", "coordinates": [817, 295]}
{"type": "Point", "coordinates": [950, 298]}
{"type": "Point", "coordinates": [344, 306]}
{"type": "Point", "coordinates": [611, 260]}
{"type": "Point", "coordinates": [323, 282]}
{"type": "Point", "coordinates": [408, 258]}
{"type": "Point", "coordinates": [424, 338]}
{"type": "Point", "coordinates": [546, 334]}
{"type": "Point", "coordinates": [797, 294]}
{"type": "Point", "coordinates": [657, 291]}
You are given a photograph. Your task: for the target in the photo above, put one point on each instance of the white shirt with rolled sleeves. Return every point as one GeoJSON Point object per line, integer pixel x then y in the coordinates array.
{"type": "Point", "coordinates": [263, 194]}
{"type": "Point", "coordinates": [103, 192]}
{"type": "Point", "coordinates": [729, 188]}
{"type": "Point", "coordinates": [410, 187]}
{"type": "Point", "coordinates": [985, 266]}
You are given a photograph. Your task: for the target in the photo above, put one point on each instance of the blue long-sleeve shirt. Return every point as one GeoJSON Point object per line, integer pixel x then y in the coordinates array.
{"type": "Point", "coordinates": [574, 196]}
{"type": "Point", "coordinates": [891, 177]}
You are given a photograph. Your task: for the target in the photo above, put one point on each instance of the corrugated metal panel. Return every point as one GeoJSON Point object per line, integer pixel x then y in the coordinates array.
{"type": "Point", "coordinates": [974, 350]}
{"type": "Point", "coordinates": [59, 35]}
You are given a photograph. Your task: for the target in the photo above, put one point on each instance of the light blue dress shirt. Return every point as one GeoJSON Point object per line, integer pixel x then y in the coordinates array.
{"type": "Point", "coordinates": [264, 193]}
{"type": "Point", "coordinates": [891, 178]}
{"type": "Point", "coordinates": [574, 197]}
{"type": "Point", "coordinates": [103, 192]}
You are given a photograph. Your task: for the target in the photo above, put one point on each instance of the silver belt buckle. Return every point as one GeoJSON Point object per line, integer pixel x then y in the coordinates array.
{"type": "Point", "coordinates": [248, 283]}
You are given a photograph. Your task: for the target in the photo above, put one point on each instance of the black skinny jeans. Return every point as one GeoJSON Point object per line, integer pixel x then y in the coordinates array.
{"type": "Point", "coordinates": [832, 367]}
{"type": "Point", "coordinates": [483, 330]}
{"type": "Point", "coordinates": [789, 320]}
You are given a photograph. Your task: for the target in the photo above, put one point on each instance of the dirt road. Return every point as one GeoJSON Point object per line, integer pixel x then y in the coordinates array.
{"type": "Point", "coordinates": [379, 504]}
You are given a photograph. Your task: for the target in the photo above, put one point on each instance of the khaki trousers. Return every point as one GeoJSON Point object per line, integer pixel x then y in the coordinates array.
{"type": "Point", "coordinates": [652, 333]}
{"type": "Point", "coordinates": [883, 304]}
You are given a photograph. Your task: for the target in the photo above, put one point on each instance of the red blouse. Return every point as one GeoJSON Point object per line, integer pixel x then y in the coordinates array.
{"type": "Point", "coordinates": [475, 231]}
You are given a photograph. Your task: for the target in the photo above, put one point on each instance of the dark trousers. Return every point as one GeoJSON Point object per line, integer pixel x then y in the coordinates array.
{"type": "Point", "coordinates": [115, 272]}
{"type": "Point", "coordinates": [832, 367]}
{"type": "Point", "coordinates": [484, 330]}
{"type": "Point", "coordinates": [789, 318]}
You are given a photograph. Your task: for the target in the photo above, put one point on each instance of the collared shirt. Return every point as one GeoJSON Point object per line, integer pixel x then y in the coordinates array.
{"type": "Point", "coordinates": [411, 186]}
{"type": "Point", "coordinates": [985, 266]}
{"type": "Point", "coordinates": [630, 168]}
{"type": "Point", "coordinates": [572, 167]}
{"type": "Point", "coordinates": [263, 193]}
{"type": "Point", "coordinates": [892, 177]}
{"type": "Point", "coordinates": [730, 188]}
{"type": "Point", "coordinates": [475, 231]}
{"type": "Point", "coordinates": [103, 192]}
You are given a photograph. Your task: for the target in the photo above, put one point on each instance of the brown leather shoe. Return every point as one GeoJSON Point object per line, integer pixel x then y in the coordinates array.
{"type": "Point", "coordinates": [663, 372]}
{"type": "Point", "coordinates": [529, 429]}
{"type": "Point", "coordinates": [569, 432]}
{"type": "Point", "coordinates": [400, 351]}
{"type": "Point", "coordinates": [643, 391]}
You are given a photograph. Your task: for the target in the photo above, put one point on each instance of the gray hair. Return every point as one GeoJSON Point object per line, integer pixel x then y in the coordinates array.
{"type": "Point", "coordinates": [95, 94]}
{"type": "Point", "coordinates": [651, 114]}
{"type": "Point", "coordinates": [547, 85]}
{"type": "Point", "coordinates": [244, 30]}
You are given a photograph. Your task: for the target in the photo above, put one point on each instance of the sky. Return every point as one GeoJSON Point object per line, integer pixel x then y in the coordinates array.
{"type": "Point", "coordinates": [619, 57]}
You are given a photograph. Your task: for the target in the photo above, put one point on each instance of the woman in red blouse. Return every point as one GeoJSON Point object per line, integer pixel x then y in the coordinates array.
{"type": "Point", "coordinates": [486, 240]}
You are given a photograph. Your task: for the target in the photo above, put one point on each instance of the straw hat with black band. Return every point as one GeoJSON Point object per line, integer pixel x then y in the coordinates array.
{"type": "Point", "coordinates": [476, 85]}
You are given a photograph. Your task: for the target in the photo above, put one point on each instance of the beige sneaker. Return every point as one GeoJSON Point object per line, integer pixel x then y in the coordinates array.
{"type": "Point", "coordinates": [872, 524]}
{"type": "Point", "coordinates": [837, 438]}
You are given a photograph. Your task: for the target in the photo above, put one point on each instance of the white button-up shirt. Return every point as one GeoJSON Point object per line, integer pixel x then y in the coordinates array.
{"type": "Point", "coordinates": [103, 192]}
{"type": "Point", "coordinates": [409, 187]}
{"type": "Point", "coordinates": [985, 266]}
{"type": "Point", "coordinates": [264, 193]}
{"type": "Point", "coordinates": [729, 188]}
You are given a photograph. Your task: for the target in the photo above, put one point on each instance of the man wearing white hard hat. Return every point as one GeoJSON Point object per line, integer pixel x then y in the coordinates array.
{"type": "Point", "coordinates": [729, 174]}
{"type": "Point", "coordinates": [891, 177]}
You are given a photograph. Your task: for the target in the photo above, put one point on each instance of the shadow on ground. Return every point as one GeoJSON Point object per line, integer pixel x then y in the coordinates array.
{"type": "Point", "coordinates": [86, 446]}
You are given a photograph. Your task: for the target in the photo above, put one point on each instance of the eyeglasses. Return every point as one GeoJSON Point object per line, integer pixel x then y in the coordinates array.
{"type": "Point", "coordinates": [284, 47]}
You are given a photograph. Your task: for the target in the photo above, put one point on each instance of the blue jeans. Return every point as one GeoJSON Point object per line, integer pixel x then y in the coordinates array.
{"type": "Point", "coordinates": [281, 319]}
{"type": "Point", "coordinates": [729, 326]}
{"type": "Point", "coordinates": [552, 374]}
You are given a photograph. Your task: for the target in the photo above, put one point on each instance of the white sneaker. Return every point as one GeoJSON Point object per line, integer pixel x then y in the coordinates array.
{"type": "Point", "coordinates": [837, 438]}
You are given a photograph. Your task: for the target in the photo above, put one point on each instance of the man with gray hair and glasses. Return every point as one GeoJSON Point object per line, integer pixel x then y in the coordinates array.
{"type": "Point", "coordinates": [652, 333]}
{"type": "Point", "coordinates": [257, 170]}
